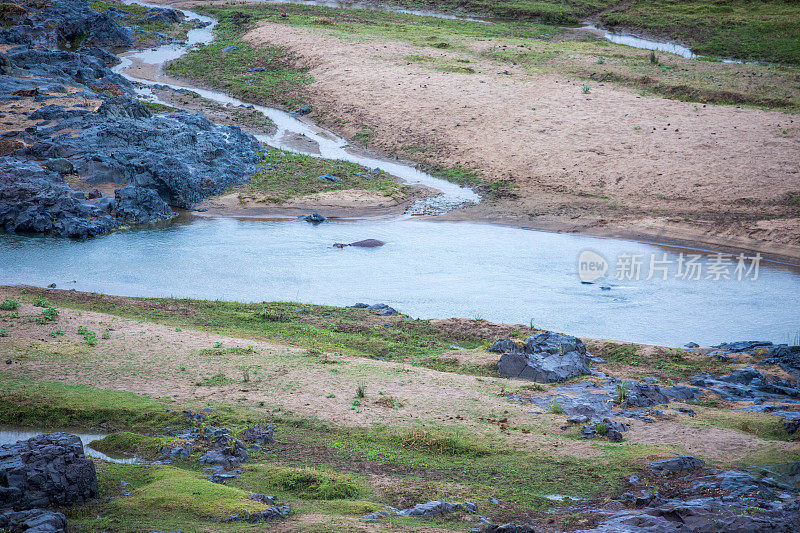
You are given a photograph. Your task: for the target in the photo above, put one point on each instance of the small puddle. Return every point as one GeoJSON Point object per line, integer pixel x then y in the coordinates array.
{"type": "Point", "coordinates": [13, 435]}
{"type": "Point", "coordinates": [639, 42]}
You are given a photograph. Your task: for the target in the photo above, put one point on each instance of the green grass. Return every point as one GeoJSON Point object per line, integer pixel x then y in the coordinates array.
{"type": "Point", "coordinates": [349, 331]}
{"type": "Point", "coordinates": [306, 483]}
{"type": "Point", "coordinates": [283, 175]}
{"type": "Point", "coordinates": [281, 82]}
{"type": "Point", "coordinates": [762, 426]}
{"type": "Point", "coordinates": [754, 30]}
{"type": "Point", "coordinates": [664, 364]}
{"type": "Point", "coordinates": [127, 443]}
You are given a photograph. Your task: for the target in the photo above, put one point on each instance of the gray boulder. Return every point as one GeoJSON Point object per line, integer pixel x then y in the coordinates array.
{"type": "Point", "coordinates": [547, 358]}
{"type": "Point", "coordinates": [48, 469]}
{"type": "Point", "coordinates": [505, 346]}
{"type": "Point", "coordinates": [225, 457]}
{"type": "Point", "coordinates": [684, 463]}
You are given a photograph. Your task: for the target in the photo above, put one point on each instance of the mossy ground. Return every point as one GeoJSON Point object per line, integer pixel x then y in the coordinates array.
{"type": "Point", "coordinates": [283, 175]}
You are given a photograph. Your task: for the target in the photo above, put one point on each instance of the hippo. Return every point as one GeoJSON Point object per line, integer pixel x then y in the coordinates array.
{"type": "Point", "coordinates": [366, 243]}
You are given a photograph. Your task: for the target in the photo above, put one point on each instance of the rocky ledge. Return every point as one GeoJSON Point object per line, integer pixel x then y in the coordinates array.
{"type": "Point", "coordinates": [79, 156]}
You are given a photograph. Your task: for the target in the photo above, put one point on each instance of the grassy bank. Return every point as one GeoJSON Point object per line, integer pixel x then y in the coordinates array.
{"type": "Point", "coordinates": [327, 474]}
{"type": "Point", "coordinates": [147, 30]}
{"type": "Point", "coordinates": [753, 30]}
{"type": "Point", "coordinates": [538, 48]}
{"type": "Point", "coordinates": [283, 175]}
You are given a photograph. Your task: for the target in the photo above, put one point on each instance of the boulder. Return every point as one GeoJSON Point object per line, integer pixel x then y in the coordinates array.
{"type": "Point", "coordinates": [743, 346]}
{"type": "Point", "coordinates": [684, 463]}
{"type": "Point", "coordinates": [547, 358]}
{"type": "Point", "coordinates": [259, 435]}
{"type": "Point", "coordinates": [314, 218]}
{"type": "Point", "coordinates": [33, 521]}
{"type": "Point", "coordinates": [225, 457]}
{"type": "Point", "coordinates": [48, 469]}
{"type": "Point", "coordinates": [506, 346]}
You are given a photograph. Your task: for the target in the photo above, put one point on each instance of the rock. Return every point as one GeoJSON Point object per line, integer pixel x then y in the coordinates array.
{"type": "Point", "coordinates": [577, 419]}
{"type": "Point", "coordinates": [509, 527]}
{"type": "Point", "coordinates": [263, 498]}
{"type": "Point", "coordinates": [389, 311]}
{"type": "Point", "coordinates": [33, 521]}
{"type": "Point", "coordinates": [259, 435]}
{"type": "Point", "coordinates": [427, 509]}
{"type": "Point", "coordinates": [647, 395]}
{"type": "Point", "coordinates": [123, 107]}
{"type": "Point", "coordinates": [257, 69]}
{"type": "Point", "coordinates": [743, 346]}
{"type": "Point", "coordinates": [367, 243]}
{"type": "Point", "coordinates": [505, 346]}
{"type": "Point", "coordinates": [167, 16]}
{"type": "Point", "coordinates": [60, 165]}
{"type": "Point", "coordinates": [69, 23]}
{"type": "Point", "coordinates": [330, 177]}
{"type": "Point", "coordinates": [225, 457]}
{"type": "Point", "coordinates": [140, 205]}
{"type": "Point", "coordinates": [221, 478]}
{"type": "Point", "coordinates": [358, 306]}
{"type": "Point", "coordinates": [547, 358]}
{"type": "Point", "coordinates": [614, 435]}
{"type": "Point", "coordinates": [266, 515]}
{"type": "Point", "coordinates": [683, 463]}
{"type": "Point", "coordinates": [589, 431]}
{"type": "Point", "coordinates": [229, 48]}
{"type": "Point", "coordinates": [314, 218]}
{"type": "Point", "coordinates": [691, 345]}
{"type": "Point", "coordinates": [302, 110]}
{"type": "Point", "coordinates": [48, 469]}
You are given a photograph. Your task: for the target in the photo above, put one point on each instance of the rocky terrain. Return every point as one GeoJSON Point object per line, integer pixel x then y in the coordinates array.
{"type": "Point", "coordinates": [79, 155]}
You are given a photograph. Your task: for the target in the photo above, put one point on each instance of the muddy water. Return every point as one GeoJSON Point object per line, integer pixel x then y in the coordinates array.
{"type": "Point", "coordinates": [427, 268]}
{"type": "Point", "coordinates": [12, 435]}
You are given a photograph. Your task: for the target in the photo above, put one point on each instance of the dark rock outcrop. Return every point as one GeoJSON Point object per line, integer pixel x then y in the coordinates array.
{"type": "Point", "coordinates": [547, 358]}
{"type": "Point", "coordinates": [48, 469]}
{"type": "Point", "coordinates": [33, 521]}
{"type": "Point", "coordinates": [684, 463]}
{"type": "Point", "coordinates": [427, 509]}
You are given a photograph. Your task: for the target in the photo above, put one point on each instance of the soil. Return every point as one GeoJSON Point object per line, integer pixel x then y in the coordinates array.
{"type": "Point", "coordinates": [701, 174]}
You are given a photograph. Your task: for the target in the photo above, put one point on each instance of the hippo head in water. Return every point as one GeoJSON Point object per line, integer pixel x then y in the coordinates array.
{"type": "Point", "coordinates": [366, 243]}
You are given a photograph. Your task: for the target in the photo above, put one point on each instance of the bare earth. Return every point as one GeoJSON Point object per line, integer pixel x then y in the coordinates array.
{"type": "Point", "coordinates": [609, 162]}
{"type": "Point", "coordinates": [163, 361]}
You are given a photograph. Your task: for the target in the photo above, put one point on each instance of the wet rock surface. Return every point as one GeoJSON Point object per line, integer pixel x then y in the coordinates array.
{"type": "Point", "coordinates": [428, 509]}
{"type": "Point", "coordinates": [153, 162]}
{"type": "Point", "coordinates": [49, 469]}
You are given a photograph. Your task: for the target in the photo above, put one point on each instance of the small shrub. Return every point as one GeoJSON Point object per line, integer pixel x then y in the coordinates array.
{"type": "Point", "coordinates": [621, 392]}
{"type": "Point", "coordinates": [3, 333]}
{"type": "Point", "coordinates": [48, 315]}
{"type": "Point", "coordinates": [586, 89]}
{"type": "Point", "coordinates": [602, 429]}
{"type": "Point", "coordinates": [389, 401]}
{"type": "Point", "coordinates": [653, 57]}
{"type": "Point", "coordinates": [90, 337]}
{"type": "Point", "coordinates": [556, 408]}
{"type": "Point", "coordinates": [361, 391]}
{"type": "Point", "coordinates": [441, 442]}
{"type": "Point", "coordinates": [57, 333]}
{"type": "Point", "coordinates": [9, 305]}
{"type": "Point", "coordinates": [41, 302]}
{"type": "Point", "coordinates": [106, 335]}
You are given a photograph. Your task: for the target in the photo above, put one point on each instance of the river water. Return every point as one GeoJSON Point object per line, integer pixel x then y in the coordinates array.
{"type": "Point", "coordinates": [427, 268]}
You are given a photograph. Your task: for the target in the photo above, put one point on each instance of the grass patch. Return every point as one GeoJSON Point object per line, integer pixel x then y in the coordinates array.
{"type": "Point", "coordinates": [174, 490]}
{"type": "Point", "coordinates": [763, 426]}
{"type": "Point", "coordinates": [127, 443]}
{"type": "Point", "coordinates": [356, 332]}
{"type": "Point", "coordinates": [283, 175]}
{"type": "Point", "coordinates": [449, 441]}
{"type": "Point", "coordinates": [281, 82]}
{"type": "Point", "coordinates": [663, 363]}
{"type": "Point", "coordinates": [305, 483]}
{"type": "Point", "coordinates": [176, 31]}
